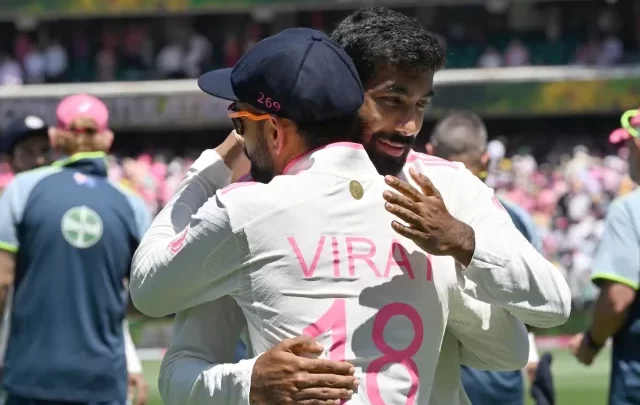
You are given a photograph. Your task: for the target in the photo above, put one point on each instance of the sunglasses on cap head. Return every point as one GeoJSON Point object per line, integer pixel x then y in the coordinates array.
{"type": "Point", "coordinates": [236, 116]}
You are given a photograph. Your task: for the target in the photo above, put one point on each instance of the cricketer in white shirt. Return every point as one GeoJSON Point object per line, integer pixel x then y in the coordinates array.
{"type": "Point", "coordinates": [303, 256]}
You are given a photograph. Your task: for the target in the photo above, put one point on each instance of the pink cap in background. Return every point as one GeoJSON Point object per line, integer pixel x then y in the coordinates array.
{"type": "Point", "coordinates": [82, 105]}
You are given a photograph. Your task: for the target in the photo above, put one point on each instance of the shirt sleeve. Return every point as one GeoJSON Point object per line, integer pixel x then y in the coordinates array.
{"type": "Point", "coordinates": [198, 367]}
{"type": "Point", "coordinates": [187, 259]}
{"type": "Point", "coordinates": [506, 270]}
{"type": "Point", "coordinates": [618, 255]}
{"type": "Point", "coordinates": [143, 219]}
{"type": "Point", "coordinates": [9, 218]}
{"type": "Point", "coordinates": [490, 337]}
{"type": "Point", "coordinates": [534, 357]}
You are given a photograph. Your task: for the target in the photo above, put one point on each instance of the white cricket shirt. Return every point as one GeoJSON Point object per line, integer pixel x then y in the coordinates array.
{"type": "Point", "coordinates": [278, 304]}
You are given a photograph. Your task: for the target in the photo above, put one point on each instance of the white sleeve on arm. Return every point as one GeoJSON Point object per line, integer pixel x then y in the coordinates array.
{"type": "Point", "coordinates": [534, 357]}
{"type": "Point", "coordinates": [207, 175]}
{"type": "Point", "coordinates": [198, 367]}
{"type": "Point", "coordinates": [490, 337]}
{"type": "Point", "coordinates": [184, 259]}
{"type": "Point", "coordinates": [10, 211]}
{"type": "Point", "coordinates": [506, 269]}
{"type": "Point", "coordinates": [134, 365]}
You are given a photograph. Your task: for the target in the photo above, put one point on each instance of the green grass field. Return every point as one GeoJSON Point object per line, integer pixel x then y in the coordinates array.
{"type": "Point", "coordinates": [575, 384]}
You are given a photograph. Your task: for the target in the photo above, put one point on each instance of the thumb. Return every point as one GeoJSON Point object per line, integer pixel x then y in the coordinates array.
{"type": "Point", "coordinates": [302, 344]}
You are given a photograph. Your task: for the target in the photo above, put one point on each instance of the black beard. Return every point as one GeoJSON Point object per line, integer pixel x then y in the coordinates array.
{"type": "Point", "coordinates": [261, 175]}
{"type": "Point", "coordinates": [385, 164]}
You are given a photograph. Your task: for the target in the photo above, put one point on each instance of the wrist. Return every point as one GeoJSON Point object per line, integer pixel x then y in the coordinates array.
{"type": "Point", "coordinates": [591, 344]}
{"type": "Point", "coordinates": [464, 243]}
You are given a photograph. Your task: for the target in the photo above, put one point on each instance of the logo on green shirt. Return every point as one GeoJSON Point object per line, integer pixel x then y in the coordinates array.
{"type": "Point", "coordinates": [81, 227]}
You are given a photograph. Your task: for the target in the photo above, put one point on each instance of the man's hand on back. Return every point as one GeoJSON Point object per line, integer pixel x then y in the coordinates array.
{"type": "Point", "coordinates": [283, 376]}
{"type": "Point", "coordinates": [430, 225]}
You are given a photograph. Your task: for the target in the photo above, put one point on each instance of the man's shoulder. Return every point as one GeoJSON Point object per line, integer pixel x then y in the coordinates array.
{"type": "Point", "coordinates": [522, 220]}
{"type": "Point", "coordinates": [240, 190]}
{"type": "Point", "coordinates": [438, 170]}
{"type": "Point", "coordinates": [23, 183]}
{"type": "Point", "coordinates": [280, 190]}
{"type": "Point", "coordinates": [135, 200]}
{"type": "Point", "coordinates": [36, 175]}
{"type": "Point", "coordinates": [515, 210]}
{"type": "Point", "coordinates": [431, 162]}
{"type": "Point", "coordinates": [625, 211]}
{"type": "Point", "coordinates": [627, 201]}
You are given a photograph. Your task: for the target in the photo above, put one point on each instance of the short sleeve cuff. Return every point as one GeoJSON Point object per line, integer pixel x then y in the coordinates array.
{"type": "Point", "coordinates": [598, 277]}
{"type": "Point", "coordinates": [8, 247]}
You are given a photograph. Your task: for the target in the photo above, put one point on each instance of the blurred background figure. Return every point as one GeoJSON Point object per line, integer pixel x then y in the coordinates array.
{"type": "Point", "coordinates": [616, 270]}
{"type": "Point", "coordinates": [27, 147]}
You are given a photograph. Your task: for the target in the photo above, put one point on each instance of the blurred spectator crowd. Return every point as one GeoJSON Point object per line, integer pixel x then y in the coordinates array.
{"type": "Point", "coordinates": [567, 199]}
{"type": "Point", "coordinates": [179, 47]}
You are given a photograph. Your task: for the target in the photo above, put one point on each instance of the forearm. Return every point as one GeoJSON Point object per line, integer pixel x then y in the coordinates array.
{"type": "Point", "coordinates": [508, 272]}
{"type": "Point", "coordinates": [207, 175]}
{"type": "Point", "coordinates": [607, 320]}
{"type": "Point", "coordinates": [7, 275]}
{"type": "Point", "coordinates": [197, 367]}
{"type": "Point", "coordinates": [154, 262]}
{"type": "Point", "coordinates": [490, 337]}
{"type": "Point", "coordinates": [192, 381]}
{"type": "Point", "coordinates": [134, 365]}
{"type": "Point", "coordinates": [4, 297]}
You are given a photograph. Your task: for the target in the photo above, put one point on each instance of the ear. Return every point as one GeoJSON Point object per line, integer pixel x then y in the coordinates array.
{"type": "Point", "coordinates": [429, 148]}
{"type": "Point", "coordinates": [107, 140]}
{"type": "Point", "coordinates": [275, 135]}
{"type": "Point", "coordinates": [484, 160]}
{"type": "Point", "coordinates": [54, 136]}
{"type": "Point", "coordinates": [52, 132]}
{"type": "Point", "coordinates": [9, 160]}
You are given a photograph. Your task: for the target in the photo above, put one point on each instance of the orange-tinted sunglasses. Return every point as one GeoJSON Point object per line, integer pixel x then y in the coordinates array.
{"type": "Point", "coordinates": [237, 122]}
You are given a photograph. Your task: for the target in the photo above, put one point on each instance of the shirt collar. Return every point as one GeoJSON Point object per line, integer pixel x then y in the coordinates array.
{"type": "Point", "coordinates": [340, 158]}
{"type": "Point", "coordinates": [86, 162]}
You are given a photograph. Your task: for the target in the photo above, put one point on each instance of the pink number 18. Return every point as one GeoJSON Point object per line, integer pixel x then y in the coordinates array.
{"type": "Point", "coordinates": [335, 319]}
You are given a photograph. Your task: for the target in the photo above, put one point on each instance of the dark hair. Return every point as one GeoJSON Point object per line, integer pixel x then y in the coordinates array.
{"type": "Point", "coordinates": [377, 35]}
{"type": "Point", "coordinates": [457, 133]}
{"type": "Point", "coordinates": [318, 134]}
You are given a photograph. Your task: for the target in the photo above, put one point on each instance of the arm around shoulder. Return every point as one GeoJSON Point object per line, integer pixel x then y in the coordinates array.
{"type": "Point", "coordinates": [506, 270]}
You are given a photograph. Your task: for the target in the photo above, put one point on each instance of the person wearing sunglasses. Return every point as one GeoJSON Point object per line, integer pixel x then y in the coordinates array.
{"type": "Point", "coordinates": [157, 271]}
{"type": "Point", "coordinates": [67, 235]}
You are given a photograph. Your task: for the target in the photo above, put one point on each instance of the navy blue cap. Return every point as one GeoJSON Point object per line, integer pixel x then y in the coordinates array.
{"type": "Point", "coordinates": [21, 128]}
{"type": "Point", "coordinates": [298, 74]}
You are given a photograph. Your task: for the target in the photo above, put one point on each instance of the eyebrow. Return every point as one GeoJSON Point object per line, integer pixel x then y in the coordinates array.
{"type": "Point", "coordinates": [405, 92]}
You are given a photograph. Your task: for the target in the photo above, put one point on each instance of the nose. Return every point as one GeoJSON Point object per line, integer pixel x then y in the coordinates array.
{"type": "Point", "coordinates": [409, 125]}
